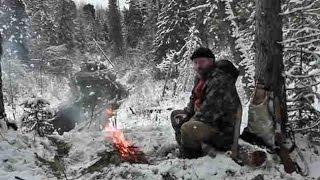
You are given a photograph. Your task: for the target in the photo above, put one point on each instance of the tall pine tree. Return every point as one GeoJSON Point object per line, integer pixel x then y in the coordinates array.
{"type": "Point", "coordinates": [172, 28]}
{"type": "Point", "coordinates": [65, 22]}
{"type": "Point", "coordinates": [134, 21]}
{"type": "Point", "coordinates": [115, 28]}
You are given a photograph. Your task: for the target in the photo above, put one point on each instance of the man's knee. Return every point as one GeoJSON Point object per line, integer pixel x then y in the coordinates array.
{"type": "Point", "coordinates": [188, 137]}
{"type": "Point", "coordinates": [197, 128]}
{"type": "Point", "coordinates": [189, 127]}
{"type": "Point", "coordinates": [186, 128]}
{"type": "Point", "coordinates": [194, 131]}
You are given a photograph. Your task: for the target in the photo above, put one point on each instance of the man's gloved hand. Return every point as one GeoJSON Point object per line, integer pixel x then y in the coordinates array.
{"type": "Point", "coordinates": [181, 118]}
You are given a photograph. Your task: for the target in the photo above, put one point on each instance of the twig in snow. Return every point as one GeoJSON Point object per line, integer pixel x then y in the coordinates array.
{"type": "Point", "coordinates": [19, 178]}
{"type": "Point", "coordinates": [132, 111]}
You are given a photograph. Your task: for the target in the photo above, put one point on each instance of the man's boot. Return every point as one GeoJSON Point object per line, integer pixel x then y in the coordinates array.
{"type": "Point", "coordinates": [208, 150]}
{"type": "Point", "coordinates": [188, 153]}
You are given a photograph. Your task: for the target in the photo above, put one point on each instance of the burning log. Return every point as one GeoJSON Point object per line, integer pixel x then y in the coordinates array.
{"type": "Point", "coordinates": [105, 159]}
{"type": "Point", "coordinates": [124, 151]}
{"type": "Point", "coordinates": [127, 151]}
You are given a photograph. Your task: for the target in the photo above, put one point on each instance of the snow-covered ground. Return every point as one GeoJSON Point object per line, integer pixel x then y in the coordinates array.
{"type": "Point", "coordinates": [150, 131]}
{"type": "Point", "coordinates": [17, 158]}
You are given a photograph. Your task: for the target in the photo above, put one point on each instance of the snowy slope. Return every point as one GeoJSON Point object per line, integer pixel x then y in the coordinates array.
{"type": "Point", "coordinates": [151, 132]}
{"type": "Point", "coordinates": [17, 158]}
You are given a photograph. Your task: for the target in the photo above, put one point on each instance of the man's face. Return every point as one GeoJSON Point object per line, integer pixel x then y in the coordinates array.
{"type": "Point", "coordinates": [202, 65]}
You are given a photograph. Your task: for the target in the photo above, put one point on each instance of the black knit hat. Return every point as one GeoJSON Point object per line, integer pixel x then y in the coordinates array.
{"type": "Point", "coordinates": [203, 52]}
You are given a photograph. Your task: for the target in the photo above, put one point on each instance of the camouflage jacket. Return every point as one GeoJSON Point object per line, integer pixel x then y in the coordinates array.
{"type": "Point", "coordinates": [220, 102]}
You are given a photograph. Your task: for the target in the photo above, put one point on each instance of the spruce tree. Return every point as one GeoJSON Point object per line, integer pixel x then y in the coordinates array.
{"type": "Point", "coordinates": [134, 21]}
{"type": "Point", "coordinates": [115, 27]}
{"type": "Point", "coordinates": [302, 60]}
{"type": "Point", "coordinates": [172, 28]}
{"type": "Point", "coordinates": [65, 22]}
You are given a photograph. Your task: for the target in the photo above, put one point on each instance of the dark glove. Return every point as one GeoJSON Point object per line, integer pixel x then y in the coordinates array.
{"type": "Point", "coordinates": [181, 118]}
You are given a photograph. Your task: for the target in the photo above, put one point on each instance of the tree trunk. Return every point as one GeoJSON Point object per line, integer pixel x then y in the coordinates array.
{"type": "Point", "coordinates": [269, 69]}
{"type": "Point", "coordinates": [2, 111]}
{"type": "Point", "coordinates": [269, 52]}
{"type": "Point", "coordinates": [269, 62]}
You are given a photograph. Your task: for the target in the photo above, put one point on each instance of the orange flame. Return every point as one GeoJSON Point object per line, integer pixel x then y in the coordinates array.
{"type": "Point", "coordinates": [126, 150]}
{"type": "Point", "coordinates": [109, 113]}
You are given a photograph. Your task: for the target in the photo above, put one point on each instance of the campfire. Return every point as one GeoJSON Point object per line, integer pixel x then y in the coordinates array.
{"type": "Point", "coordinates": [127, 151]}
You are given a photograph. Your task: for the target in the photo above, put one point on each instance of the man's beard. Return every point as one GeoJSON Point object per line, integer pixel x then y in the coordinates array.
{"type": "Point", "coordinates": [204, 72]}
